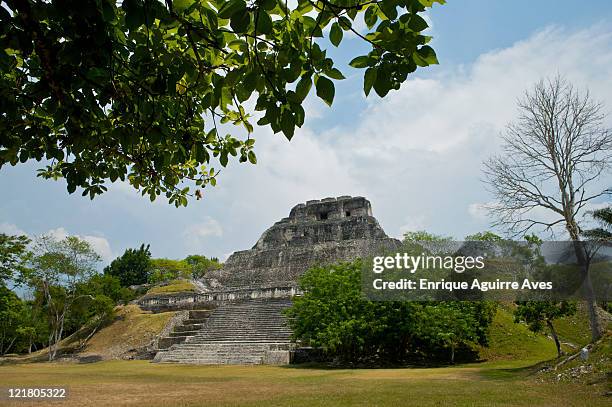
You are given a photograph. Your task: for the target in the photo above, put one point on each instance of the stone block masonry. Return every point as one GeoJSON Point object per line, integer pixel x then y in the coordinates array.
{"type": "Point", "coordinates": [255, 286]}
{"type": "Point", "coordinates": [317, 232]}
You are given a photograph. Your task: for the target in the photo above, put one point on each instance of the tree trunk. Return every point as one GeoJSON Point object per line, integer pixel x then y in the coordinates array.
{"type": "Point", "coordinates": [555, 337]}
{"type": "Point", "coordinates": [452, 353]}
{"type": "Point", "coordinates": [587, 285]}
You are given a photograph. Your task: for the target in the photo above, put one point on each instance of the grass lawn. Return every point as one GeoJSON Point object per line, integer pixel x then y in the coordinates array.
{"type": "Point", "coordinates": [146, 384]}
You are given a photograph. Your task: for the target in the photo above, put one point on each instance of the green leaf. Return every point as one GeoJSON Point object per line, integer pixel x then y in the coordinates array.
{"type": "Point", "coordinates": [368, 80]}
{"type": "Point", "coordinates": [334, 74]}
{"type": "Point", "coordinates": [428, 55]}
{"type": "Point", "coordinates": [370, 17]}
{"type": "Point", "coordinates": [325, 89]}
{"type": "Point", "coordinates": [231, 7]}
{"type": "Point", "coordinates": [252, 157]}
{"type": "Point", "coordinates": [134, 14]}
{"type": "Point", "coordinates": [303, 87]}
{"type": "Point", "coordinates": [335, 34]}
{"type": "Point", "coordinates": [389, 9]}
{"type": "Point", "coordinates": [181, 5]}
{"type": "Point", "coordinates": [108, 11]}
{"type": "Point", "coordinates": [268, 4]}
{"type": "Point", "coordinates": [264, 23]}
{"type": "Point", "coordinates": [429, 3]}
{"type": "Point", "coordinates": [240, 21]}
{"type": "Point", "coordinates": [382, 85]}
{"type": "Point", "coordinates": [360, 62]}
{"type": "Point", "coordinates": [223, 159]}
{"type": "Point", "coordinates": [417, 23]}
{"type": "Point", "coordinates": [287, 124]}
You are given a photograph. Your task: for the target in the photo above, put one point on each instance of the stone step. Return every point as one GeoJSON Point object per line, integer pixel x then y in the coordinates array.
{"type": "Point", "coordinates": [183, 333]}
{"type": "Point", "coordinates": [200, 314]}
{"type": "Point", "coordinates": [167, 341]}
{"type": "Point", "coordinates": [234, 333]}
{"type": "Point", "coordinates": [188, 327]}
{"type": "Point", "coordinates": [194, 321]}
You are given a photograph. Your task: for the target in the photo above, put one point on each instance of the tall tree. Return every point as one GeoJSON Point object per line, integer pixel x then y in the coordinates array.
{"type": "Point", "coordinates": [11, 310]}
{"type": "Point", "coordinates": [553, 154]}
{"type": "Point", "coordinates": [59, 267]}
{"type": "Point", "coordinates": [134, 89]}
{"type": "Point", "coordinates": [132, 267]}
{"type": "Point", "coordinates": [13, 257]}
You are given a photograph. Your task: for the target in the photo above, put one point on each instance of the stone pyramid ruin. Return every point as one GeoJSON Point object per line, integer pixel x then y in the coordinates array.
{"type": "Point", "coordinates": [245, 323]}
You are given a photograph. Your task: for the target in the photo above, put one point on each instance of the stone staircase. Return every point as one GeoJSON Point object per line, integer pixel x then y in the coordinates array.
{"type": "Point", "coordinates": [253, 331]}
{"type": "Point", "coordinates": [186, 329]}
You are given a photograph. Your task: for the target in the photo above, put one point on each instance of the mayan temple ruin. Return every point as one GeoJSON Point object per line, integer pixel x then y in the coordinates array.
{"type": "Point", "coordinates": [236, 316]}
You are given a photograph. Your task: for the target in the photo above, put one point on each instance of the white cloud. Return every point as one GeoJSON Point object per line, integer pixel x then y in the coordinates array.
{"type": "Point", "coordinates": [99, 244]}
{"type": "Point", "coordinates": [413, 224]}
{"type": "Point", "coordinates": [479, 211]}
{"type": "Point", "coordinates": [11, 229]}
{"type": "Point", "coordinates": [418, 153]}
{"type": "Point", "coordinates": [421, 148]}
{"type": "Point", "coordinates": [58, 233]}
{"type": "Point", "coordinates": [196, 234]}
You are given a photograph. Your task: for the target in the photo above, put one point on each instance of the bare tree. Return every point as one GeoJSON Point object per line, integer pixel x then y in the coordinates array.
{"type": "Point", "coordinates": [553, 155]}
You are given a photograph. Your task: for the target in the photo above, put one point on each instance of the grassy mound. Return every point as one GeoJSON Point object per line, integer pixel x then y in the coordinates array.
{"type": "Point", "coordinates": [129, 334]}
{"type": "Point", "coordinates": [174, 286]}
{"type": "Point", "coordinates": [510, 341]}
{"type": "Point", "coordinates": [132, 331]}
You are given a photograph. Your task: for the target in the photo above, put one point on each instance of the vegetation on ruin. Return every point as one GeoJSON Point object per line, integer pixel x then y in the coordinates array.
{"type": "Point", "coordinates": [194, 266]}
{"type": "Point", "coordinates": [174, 286]}
{"type": "Point", "coordinates": [132, 267]}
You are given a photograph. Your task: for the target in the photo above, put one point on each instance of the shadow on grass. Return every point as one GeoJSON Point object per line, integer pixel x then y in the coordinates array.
{"type": "Point", "coordinates": [484, 369]}
{"type": "Point", "coordinates": [503, 373]}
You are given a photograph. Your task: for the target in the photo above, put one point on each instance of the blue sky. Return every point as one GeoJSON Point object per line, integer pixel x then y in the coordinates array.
{"type": "Point", "coordinates": [417, 154]}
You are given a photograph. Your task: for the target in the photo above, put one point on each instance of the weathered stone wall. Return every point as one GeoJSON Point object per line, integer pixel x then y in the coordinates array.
{"type": "Point", "coordinates": [318, 232]}
{"type": "Point", "coordinates": [189, 300]}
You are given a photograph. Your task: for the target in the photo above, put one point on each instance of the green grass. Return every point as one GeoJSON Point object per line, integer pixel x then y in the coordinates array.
{"type": "Point", "coordinates": [143, 383]}
{"type": "Point", "coordinates": [509, 341]}
{"type": "Point", "coordinates": [507, 377]}
{"type": "Point", "coordinates": [575, 329]}
{"type": "Point", "coordinates": [174, 286]}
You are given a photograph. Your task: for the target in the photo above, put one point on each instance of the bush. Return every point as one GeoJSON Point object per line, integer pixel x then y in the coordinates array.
{"type": "Point", "coordinates": [334, 315]}
{"type": "Point", "coordinates": [166, 269]}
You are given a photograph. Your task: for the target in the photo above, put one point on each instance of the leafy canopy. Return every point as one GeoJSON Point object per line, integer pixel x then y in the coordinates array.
{"type": "Point", "coordinates": [134, 90]}
{"type": "Point", "coordinates": [333, 314]}
{"type": "Point", "coordinates": [132, 267]}
{"type": "Point", "coordinates": [14, 256]}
